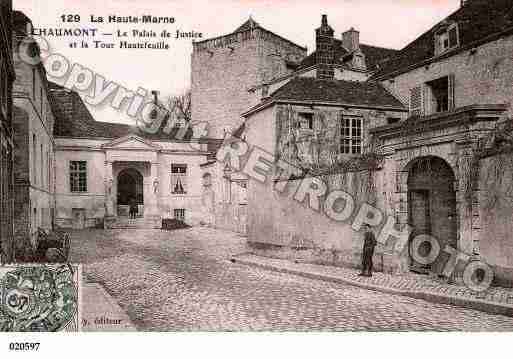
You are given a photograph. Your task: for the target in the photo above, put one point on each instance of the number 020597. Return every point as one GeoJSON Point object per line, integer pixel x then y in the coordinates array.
{"type": "Point", "coordinates": [24, 346]}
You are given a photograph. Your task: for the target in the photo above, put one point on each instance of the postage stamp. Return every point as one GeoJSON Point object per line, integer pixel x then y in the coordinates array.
{"type": "Point", "coordinates": [39, 298]}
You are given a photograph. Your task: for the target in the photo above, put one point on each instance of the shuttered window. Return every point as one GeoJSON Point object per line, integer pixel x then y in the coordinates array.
{"type": "Point", "coordinates": [453, 37]}
{"type": "Point", "coordinates": [451, 93]}
{"type": "Point", "coordinates": [416, 101]}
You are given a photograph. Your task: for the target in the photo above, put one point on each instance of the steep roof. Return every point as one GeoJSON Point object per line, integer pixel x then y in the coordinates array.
{"type": "Point", "coordinates": [373, 55]}
{"type": "Point", "coordinates": [348, 93]}
{"type": "Point", "coordinates": [249, 25]}
{"type": "Point", "coordinates": [338, 91]}
{"type": "Point", "coordinates": [477, 21]}
{"type": "Point", "coordinates": [73, 119]}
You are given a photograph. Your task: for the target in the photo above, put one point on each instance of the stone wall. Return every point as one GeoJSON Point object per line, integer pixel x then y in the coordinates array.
{"type": "Point", "coordinates": [34, 174]}
{"type": "Point", "coordinates": [93, 201]}
{"type": "Point", "coordinates": [225, 68]}
{"type": "Point", "coordinates": [483, 77]}
{"type": "Point", "coordinates": [280, 226]}
{"type": "Point", "coordinates": [496, 213]}
{"type": "Point", "coordinates": [318, 149]}
{"type": "Point", "coordinates": [224, 201]}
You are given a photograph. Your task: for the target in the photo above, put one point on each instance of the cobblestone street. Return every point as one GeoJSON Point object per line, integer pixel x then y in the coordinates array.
{"type": "Point", "coordinates": [182, 281]}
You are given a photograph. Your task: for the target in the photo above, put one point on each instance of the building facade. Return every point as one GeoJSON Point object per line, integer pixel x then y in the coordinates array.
{"type": "Point", "coordinates": [456, 79]}
{"type": "Point", "coordinates": [232, 73]}
{"type": "Point", "coordinates": [104, 167]}
{"type": "Point", "coordinates": [33, 119]}
{"type": "Point", "coordinates": [7, 76]}
{"type": "Point", "coordinates": [453, 84]}
{"type": "Point", "coordinates": [226, 67]}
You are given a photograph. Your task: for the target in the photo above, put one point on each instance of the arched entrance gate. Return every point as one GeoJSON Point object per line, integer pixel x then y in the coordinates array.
{"type": "Point", "coordinates": [432, 207]}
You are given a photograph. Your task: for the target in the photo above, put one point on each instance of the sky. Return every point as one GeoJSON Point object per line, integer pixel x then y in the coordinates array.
{"type": "Point", "coordinates": [386, 23]}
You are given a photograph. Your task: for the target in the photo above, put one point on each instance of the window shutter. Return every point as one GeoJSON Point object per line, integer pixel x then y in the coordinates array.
{"type": "Point", "coordinates": [453, 36]}
{"type": "Point", "coordinates": [416, 101]}
{"type": "Point", "coordinates": [451, 97]}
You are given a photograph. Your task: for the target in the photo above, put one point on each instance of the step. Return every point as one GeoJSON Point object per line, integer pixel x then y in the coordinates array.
{"type": "Point", "coordinates": [138, 223]}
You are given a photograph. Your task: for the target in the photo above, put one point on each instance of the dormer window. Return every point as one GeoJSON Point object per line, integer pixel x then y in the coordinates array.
{"type": "Point", "coordinates": [447, 38]}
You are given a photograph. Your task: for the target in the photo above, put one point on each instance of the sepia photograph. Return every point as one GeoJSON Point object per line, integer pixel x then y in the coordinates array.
{"type": "Point", "coordinates": [256, 166]}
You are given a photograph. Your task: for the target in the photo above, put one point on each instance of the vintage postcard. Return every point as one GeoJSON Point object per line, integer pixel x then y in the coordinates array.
{"type": "Point", "coordinates": [256, 166]}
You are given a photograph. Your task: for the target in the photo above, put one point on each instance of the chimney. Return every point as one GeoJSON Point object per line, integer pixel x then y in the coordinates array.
{"type": "Point", "coordinates": [325, 50]}
{"type": "Point", "coordinates": [351, 39]}
{"type": "Point", "coordinates": [155, 97]}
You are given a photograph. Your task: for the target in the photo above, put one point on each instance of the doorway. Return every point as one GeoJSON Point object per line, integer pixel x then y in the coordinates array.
{"type": "Point", "coordinates": [432, 208]}
{"type": "Point", "coordinates": [130, 189]}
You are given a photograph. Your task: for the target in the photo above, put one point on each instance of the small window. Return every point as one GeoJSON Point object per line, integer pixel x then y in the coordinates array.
{"type": "Point", "coordinates": [447, 39]}
{"type": "Point", "coordinates": [351, 135]}
{"type": "Point", "coordinates": [440, 95]}
{"type": "Point", "coordinates": [392, 120]}
{"type": "Point", "coordinates": [305, 121]}
{"type": "Point", "coordinates": [178, 178]}
{"type": "Point", "coordinates": [180, 214]}
{"type": "Point", "coordinates": [78, 176]}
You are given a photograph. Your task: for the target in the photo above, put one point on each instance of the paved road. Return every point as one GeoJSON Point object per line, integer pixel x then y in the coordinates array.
{"type": "Point", "coordinates": [182, 281]}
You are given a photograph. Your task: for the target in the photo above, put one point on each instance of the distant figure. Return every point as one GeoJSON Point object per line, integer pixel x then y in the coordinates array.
{"type": "Point", "coordinates": [133, 208]}
{"type": "Point", "coordinates": [369, 244]}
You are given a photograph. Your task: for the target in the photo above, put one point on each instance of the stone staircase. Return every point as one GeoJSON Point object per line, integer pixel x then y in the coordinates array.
{"type": "Point", "coordinates": [137, 223]}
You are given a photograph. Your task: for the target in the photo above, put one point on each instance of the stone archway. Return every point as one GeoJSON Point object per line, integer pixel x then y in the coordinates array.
{"type": "Point", "coordinates": [130, 185]}
{"type": "Point", "coordinates": [432, 206]}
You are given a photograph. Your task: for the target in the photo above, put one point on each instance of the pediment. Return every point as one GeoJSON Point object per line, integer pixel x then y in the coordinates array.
{"type": "Point", "coordinates": [131, 142]}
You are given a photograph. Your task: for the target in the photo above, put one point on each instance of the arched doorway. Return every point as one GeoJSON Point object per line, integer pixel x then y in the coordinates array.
{"type": "Point", "coordinates": [432, 207]}
{"type": "Point", "coordinates": [130, 187]}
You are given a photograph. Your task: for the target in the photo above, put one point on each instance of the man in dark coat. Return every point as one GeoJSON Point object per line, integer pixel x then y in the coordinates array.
{"type": "Point", "coordinates": [133, 208]}
{"type": "Point", "coordinates": [369, 244]}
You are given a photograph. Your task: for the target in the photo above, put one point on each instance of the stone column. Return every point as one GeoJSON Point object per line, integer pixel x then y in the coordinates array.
{"type": "Point", "coordinates": [109, 190]}
{"type": "Point", "coordinates": [467, 205]}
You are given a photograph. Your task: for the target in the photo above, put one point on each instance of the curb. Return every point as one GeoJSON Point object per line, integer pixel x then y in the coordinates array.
{"type": "Point", "coordinates": [114, 308]}
{"type": "Point", "coordinates": [476, 304]}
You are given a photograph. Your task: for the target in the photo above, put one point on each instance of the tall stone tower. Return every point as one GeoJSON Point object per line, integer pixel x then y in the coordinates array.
{"type": "Point", "coordinates": [225, 68]}
{"type": "Point", "coordinates": [325, 50]}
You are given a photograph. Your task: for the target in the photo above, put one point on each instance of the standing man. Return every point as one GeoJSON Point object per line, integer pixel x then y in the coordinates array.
{"type": "Point", "coordinates": [133, 208]}
{"type": "Point", "coordinates": [369, 244]}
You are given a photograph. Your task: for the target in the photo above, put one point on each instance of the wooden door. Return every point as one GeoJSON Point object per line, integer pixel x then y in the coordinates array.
{"type": "Point", "coordinates": [420, 220]}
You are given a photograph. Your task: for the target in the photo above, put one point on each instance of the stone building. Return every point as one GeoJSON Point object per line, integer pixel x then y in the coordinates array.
{"type": "Point", "coordinates": [103, 166]}
{"type": "Point", "coordinates": [451, 90]}
{"type": "Point", "coordinates": [7, 76]}
{"type": "Point", "coordinates": [233, 72]}
{"type": "Point", "coordinates": [230, 72]}
{"type": "Point", "coordinates": [224, 197]}
{"type": "Point", "coordinates": [34, 175]}
{"type": "Point", "coordinates": [456, 79]}
{"type": "Point", "coordinates": [72, 171]}
{"type": "Point", "coordinates": [226, 67]}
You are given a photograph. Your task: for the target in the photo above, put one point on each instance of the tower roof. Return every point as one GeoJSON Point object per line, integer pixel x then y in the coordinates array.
{"type": "Point", "coordinates": [248, 25]}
